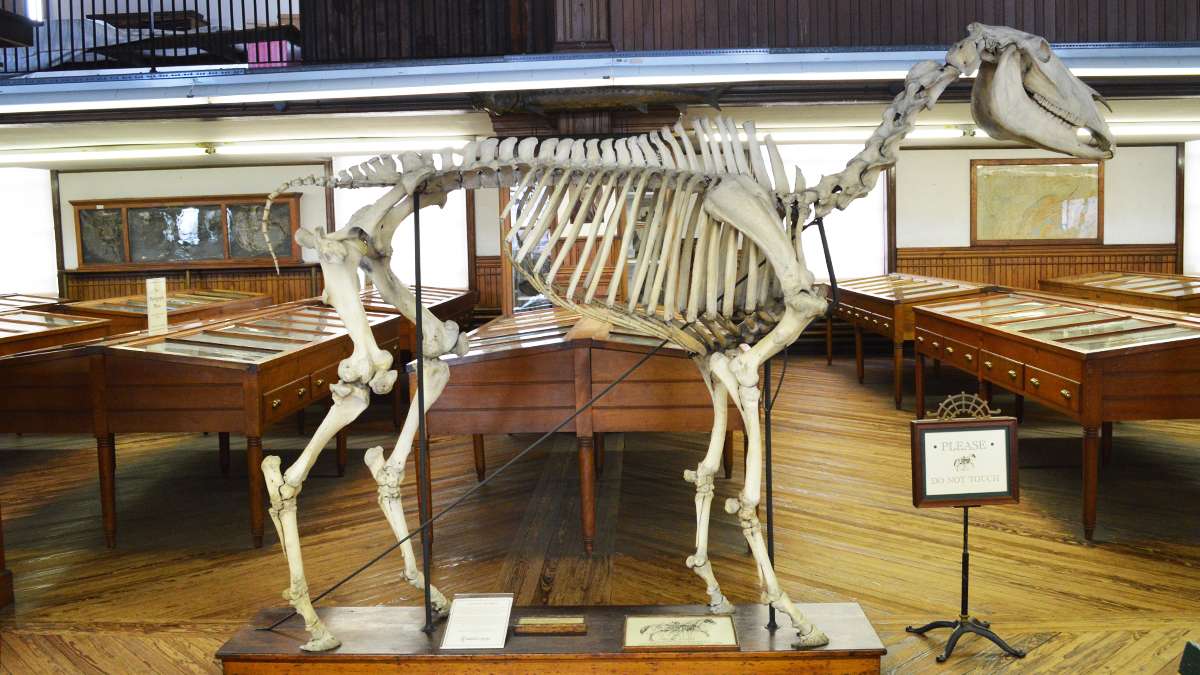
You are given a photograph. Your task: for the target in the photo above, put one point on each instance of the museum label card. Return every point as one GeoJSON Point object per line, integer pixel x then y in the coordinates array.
{"type": "Point", "coordinates": [669, 632]}
{"type": "Point", "coordinates": [478, 621]}
{"type": "Point", "coordinates": [156, 305]}
{"type": "Point", "coordinates": [964, 462]}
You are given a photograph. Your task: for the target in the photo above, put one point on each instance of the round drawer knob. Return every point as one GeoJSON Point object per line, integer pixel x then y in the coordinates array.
{"type": "Point", "coordinates": [935, 344]}
{"type": "Point", "coordinates": [1066, 393]}
{"type": "Point", "coordinates": [949, 350]}
{"type": "Point", "coordinates": [1012, 374]}
{"type": "Point", "coordinates": [987, 364]}
{"type": "Point", "coordinates": [968, 357]}
{"type": "Point", "coordinates": [300, 392]}
{"type": "Point", "coordinates": [920, 338]}
{"type": "Point", "coordinates": [276, 403]}
{"type": "Point", "coordinates": [319, 382]}
{"type": "Point", "coordinates": [1035, 382]}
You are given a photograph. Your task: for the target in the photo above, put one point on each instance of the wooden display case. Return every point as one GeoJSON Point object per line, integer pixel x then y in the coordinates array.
{"type": "Point", "coordinates": [236, 375]}
{"type": "Point", "coordinates": [27, 330]}
{"type": "Point", "coordinates": [526, 373]}
{"type": "Point", "coordinates": [884, 305]}
{"type": "Point", "coordinates": [12, 301]}
{"type": "Point", "coordinates": [1095, 363]}
{"type": "Point", "coordinates": [1162, 291]}
{"type": "Point", "coordinates": [128, 313]}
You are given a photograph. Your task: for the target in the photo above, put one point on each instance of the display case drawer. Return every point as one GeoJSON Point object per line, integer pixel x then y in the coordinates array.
{"type": "Point", "coordinates": [961, 355]}
{"type": "Point", "coordinates": [1004, 371]}
{"type": "Point", "coordinates": [1054, 389]}
{"type": "Point", "coordinates": [321, 380]}
{"type": "Point", "coordinates": [282, 401]}
{"type": "Point", "coordinates": [929, 343]}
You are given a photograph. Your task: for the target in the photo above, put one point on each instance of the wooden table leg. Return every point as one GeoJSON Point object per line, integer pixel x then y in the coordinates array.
{"type": "Point", "coordinates": [1019, 407]}
{"type": "Point", "coordinates": [6, 585]}
{"type": "Point", "coordinates": [480, 460]}
{"type": "Point", "coordinates": [223, 452]}
{"type": "Point", "coordinates": [1091, 472]}
{"type": "Point", "coordinates": [343, 452]}
{"type": "Point", "coordinates": [898, 373]}
{"type": "Point", "coordinates": [985, 391]}
{"type": "Point", "coordinates": [598, 452]}
{"type": "Point", "coordinates": [424, 489]}
{"type": "Point", "coordinates": [399, 403]}
{"type": "Point", "coordinates": [254, 458]}
{"type": "Point", "coordinates": [106, 453]}
{"type": "Point", "coordinates": [829, 341]}
{"type": "Point", "coordinates": [300, 420]}
{"type": "Point", "coordinates": [858, 353]}
{"type": "Point", "coordinates": [587, 492]}
{"type": "Point", "coordinates": [727, 455]}
{"type": "Point", "coordinates": [1106, 443]}
{"type": "Point", "coordinates": [919, 384]}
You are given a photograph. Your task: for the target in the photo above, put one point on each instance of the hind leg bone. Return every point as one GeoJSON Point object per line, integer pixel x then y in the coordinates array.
{"type": "Point", "coordinates": [702, 477]}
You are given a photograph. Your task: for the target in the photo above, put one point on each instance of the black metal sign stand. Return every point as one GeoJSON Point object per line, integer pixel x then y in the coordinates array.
{"type": "Point", "coordinates": [965, 623]}
{"type": "Point", "coordinates": [768, 403]}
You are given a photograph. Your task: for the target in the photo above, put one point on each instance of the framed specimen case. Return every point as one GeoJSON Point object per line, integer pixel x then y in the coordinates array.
{"type": "Point", "coordinates": [211, 230]}
{"type": "Point", "coordinates": [1095, 363]}
{"type": "Point", "coordinates": [1037, 201]}
{"type": "Point", "coordinates": [1164, 291]}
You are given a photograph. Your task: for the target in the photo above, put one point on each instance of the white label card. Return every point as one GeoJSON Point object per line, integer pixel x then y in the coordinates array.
{"type": "Point", "coordinates": [478, 621]}
{"type": "Point", "coordinates": [156, 305]}
{"type": "Point", "coordinates": [968, 461]}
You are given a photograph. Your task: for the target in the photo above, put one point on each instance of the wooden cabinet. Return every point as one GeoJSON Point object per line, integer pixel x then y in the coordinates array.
{"type": "Point", "coordinates": [128, 313]}
{"type": "Point", "coordinates": [884, 305]}
{"type": "Point", "coordinates": [1096, 363]}
{"type": "Point", "coordinates": [223, 375]}
{"type": "Point", "coordinates": [525, 374]}
{"type": "Point", "coordinates": [1162, 291]}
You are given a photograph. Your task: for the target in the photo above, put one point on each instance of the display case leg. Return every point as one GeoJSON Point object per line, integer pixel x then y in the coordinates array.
{"type": "Point", "coordinates": [480, 459]}
{"type": "Point", "coordinates": [829, 341]}
{"type": "Point", "coordinates": [1091, 474]}
{"type": "Point", "coordinates": [919, 384]}
{"type": "Point", "coordinates": [898, 373]}
{"type": "Point", "coordinates": [343, 452]}
{"type": "Point", "coordinates": [254, 458]}
{"type": "Point", "coordinates": [1106, 443]}
{"type": "Point", "coordinates": [587, 492]}
{"type": "Point", "coordinates": [727, 455]}
{"type": "Point", "coordinates": [106, 453]}
{"type": "Point", "coordinates": [860, 369]}
{"type": "Point", "coordinates": [598, 452]}
{"type": "Point", "coordinates": [223, 452]}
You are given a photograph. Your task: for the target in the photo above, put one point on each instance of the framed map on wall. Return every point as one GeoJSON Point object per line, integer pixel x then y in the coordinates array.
{"type": "Point", "coordinates": [1037, 201]}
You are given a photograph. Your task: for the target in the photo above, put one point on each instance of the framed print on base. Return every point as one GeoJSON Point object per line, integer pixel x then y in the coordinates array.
{"type": "Point", "coordinates": [964, 462]}
{"type": "Point", "coordinates": [665, 632]}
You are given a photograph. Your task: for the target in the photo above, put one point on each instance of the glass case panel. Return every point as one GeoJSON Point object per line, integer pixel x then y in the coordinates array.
{"type": "Point", "coordinates": [1001, 311]}
{"type": "Point", "coordinates": [1045, 312]}
{"type": "Point", "coordinates": [302, 328]}
{"type": "Point", "coordinates": [266, 331]}
{"type": "Point", "coordinates": [213, 352]}
{"type": "Point", "coordinates": [975, 304]}
{"type": "Point", "coordinates": [101, 236]}
{"type": "Point", "coordinates": [223, 338]}
{"type": "Point", "coordinates": [1126, 339]}
{"type": "Point", "coordinates": [1071, 332]}
{"type": "Point", "coordinates": [172, 233]}
{"type": "Point", "coordinates": [1058, 320]}
{"type": "Point", "coordinates": [245, 230]}
{"type": "Point", "coordinates": [43, 320]}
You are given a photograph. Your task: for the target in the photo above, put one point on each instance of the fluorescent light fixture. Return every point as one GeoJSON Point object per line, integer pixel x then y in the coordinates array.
{"type": "Point", "coordinates": [1135, 71]}
{"type": "Point", "coordinates": [818, 135]}
{"type": "Point", "coordinates": [752, 76]}
{"type": "Point", "coordinates": [414, 90]}
{"type": "Point", "coordinates": [109, 104]}
{"type": "Point", "coordinates": [339, 146]}
{"type": "Point", "coordinates": [936, 132]}
{"type": "Point", "coordinates": [1155, 129]}
{"type": "Point", "coordinates": [128, 152]}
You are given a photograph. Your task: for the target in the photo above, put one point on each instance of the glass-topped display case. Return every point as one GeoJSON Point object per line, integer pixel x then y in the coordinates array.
{"type": "Point", "coordinates": [129, 312]}
{"type": "Point", "coordinates": [26, 330]}
{"type": "Point", "coordinates": [1164, 291]}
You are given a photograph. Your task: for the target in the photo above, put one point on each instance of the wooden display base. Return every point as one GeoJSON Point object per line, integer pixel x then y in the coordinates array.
{"type": "Point", "coordinates": [389, 639]}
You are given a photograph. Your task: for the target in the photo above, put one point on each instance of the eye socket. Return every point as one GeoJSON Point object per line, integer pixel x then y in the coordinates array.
{"type": "Point", "coordinates": [1042, 50]}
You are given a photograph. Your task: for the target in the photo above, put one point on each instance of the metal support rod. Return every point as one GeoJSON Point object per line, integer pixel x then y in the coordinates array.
{"type": "Point", "coordinates": [768, 403]}
{"type": "Point", "coordinates": [423, 445]}
{"type": "Point", "coordinates": [966, 569]}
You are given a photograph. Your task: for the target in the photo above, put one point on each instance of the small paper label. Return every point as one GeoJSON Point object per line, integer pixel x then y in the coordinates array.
{"type": "Point", "coordinates": [156, 305]}
{"type": "Point", "coordinates": [478, 621]}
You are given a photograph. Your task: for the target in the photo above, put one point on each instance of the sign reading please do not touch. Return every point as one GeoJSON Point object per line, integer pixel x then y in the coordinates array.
{"type": "Point", "coordinates": [964, 462]}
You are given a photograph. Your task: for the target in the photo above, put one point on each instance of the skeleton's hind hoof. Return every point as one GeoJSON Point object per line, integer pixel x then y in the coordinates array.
{"type": "Point", "coordinates": [815, 638]}
{"type": "Point", "coordinates": [722, 607]}
{"type": "Point", "coordinates": [322, 641]}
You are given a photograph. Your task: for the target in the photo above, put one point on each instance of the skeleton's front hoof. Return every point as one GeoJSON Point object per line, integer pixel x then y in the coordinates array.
{"type": "Point", "coordinates": [815, 638]}
{"type": "Point", "coordinates": [322, 641]}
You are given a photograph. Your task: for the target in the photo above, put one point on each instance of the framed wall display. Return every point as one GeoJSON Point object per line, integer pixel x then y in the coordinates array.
{"type": "Point", "coordinates": [1037, 201]}
{"type": "Point", "coordinates": [964, 462]}
{"type": "Point", "coordinates": [193, 231]}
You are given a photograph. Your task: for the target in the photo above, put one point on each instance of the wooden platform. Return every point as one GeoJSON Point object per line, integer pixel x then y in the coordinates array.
{"type": "Point", "coordinates": [389, 639]}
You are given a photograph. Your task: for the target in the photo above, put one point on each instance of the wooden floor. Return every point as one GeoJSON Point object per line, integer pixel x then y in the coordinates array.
{"type": "Point", "coordinates": [184, 576]}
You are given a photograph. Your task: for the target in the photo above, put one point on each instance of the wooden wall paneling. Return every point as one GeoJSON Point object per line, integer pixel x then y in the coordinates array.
{"type": "Point", "coordinates": [293, 282]}
{"type": "Point", "coordinates": [582, 25]}
{"type": "Point", "coordinates": [487, 275]}
{"type": "Point", "coordinates": [1023, 267]}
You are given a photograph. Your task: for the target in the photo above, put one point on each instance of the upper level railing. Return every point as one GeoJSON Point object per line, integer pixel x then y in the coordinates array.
{"type": "Point", "coordinates": [91, 34]}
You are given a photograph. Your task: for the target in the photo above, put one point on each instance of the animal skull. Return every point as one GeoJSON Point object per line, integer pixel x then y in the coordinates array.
{"type": "Point", "coordinates": [1024, 93]}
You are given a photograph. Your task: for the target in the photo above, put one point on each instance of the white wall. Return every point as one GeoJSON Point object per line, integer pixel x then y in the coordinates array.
{"type": "Point", "coordinates": [443, 233]}
{"type": "Point", "coordinates": [858, 235]}
{"type": "Point", "coordinates": [487, 221]}
{"type": "Point", "coordinates": [240, 180]}
{"type": "Point", "coordinates": [27, 258]}
{"type": "Point", "coordinates": [1191, 208]}
{"type": "Point", "coordinates": [933, 195]}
